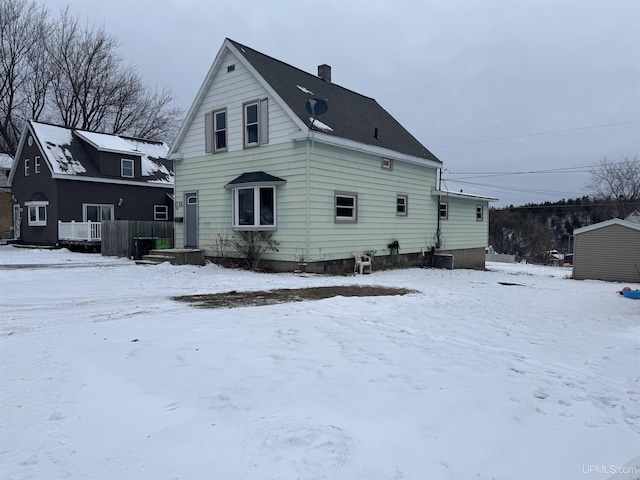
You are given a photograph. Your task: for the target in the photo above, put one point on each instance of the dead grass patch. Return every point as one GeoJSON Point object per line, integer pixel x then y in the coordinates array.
{"type": "Point", "coordinates": [285, 295]}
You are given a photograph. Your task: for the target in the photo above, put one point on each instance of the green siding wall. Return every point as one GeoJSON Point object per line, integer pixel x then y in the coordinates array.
{"type": "Point", "coordinates": [315, 171]}
{"type": "Point", "coordinates": [461, 230]}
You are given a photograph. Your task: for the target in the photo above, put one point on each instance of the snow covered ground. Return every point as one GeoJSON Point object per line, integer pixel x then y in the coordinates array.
{"type": "Point", "coordinates": [513, 373]}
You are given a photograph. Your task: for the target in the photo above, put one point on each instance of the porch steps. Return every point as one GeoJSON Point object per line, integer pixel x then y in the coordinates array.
{"type": "Point", "coordinates": [175, 256]}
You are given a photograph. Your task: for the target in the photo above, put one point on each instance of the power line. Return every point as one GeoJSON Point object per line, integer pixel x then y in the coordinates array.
{"type": "Point", "coordinates": [538, 134]}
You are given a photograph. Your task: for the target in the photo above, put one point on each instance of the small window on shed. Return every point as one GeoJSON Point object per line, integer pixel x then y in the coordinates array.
{"type": "Point", "coordinates": [479, 212]}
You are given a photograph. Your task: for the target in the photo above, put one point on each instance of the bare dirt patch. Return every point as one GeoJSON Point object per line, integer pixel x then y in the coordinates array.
{"type": "Point", "coordinates": [285, 295]}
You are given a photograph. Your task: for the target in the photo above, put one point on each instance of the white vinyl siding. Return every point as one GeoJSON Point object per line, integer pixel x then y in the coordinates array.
{"type": "Point", "coordinates": [230, 90]}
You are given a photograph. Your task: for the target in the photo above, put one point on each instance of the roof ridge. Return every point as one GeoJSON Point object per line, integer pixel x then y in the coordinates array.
{"type": "Point", "coordinates": [238, 44]}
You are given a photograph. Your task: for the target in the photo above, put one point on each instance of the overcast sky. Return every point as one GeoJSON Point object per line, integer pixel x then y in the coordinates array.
{"type": "Point", "coordinates": [490, 86]}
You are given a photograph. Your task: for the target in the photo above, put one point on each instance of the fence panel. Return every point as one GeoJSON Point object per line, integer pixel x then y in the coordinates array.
{"type": "Point", "coordinates": [118, 235]}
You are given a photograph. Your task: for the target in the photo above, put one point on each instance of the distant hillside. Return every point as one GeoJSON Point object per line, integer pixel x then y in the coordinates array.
{"type": "Point", "coordinates": [531, 229]}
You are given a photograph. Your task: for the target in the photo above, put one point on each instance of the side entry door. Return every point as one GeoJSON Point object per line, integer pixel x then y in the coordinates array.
{"type": "Point", "coordinates": [191, 220]}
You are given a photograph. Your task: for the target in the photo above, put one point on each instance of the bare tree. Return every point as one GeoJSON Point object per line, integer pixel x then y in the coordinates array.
{"type": "Point", "coordinates": [72, 74]}
{"type": "Point", "coordinates": [617, 182]}
{"type": "Point", "coordinates": [23, 29]}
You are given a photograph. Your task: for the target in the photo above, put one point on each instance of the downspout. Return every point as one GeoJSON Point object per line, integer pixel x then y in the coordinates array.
{"type": "Point", "coordinates": [308, 202]}
{"type": "Point", "coordinates": [438, 232]}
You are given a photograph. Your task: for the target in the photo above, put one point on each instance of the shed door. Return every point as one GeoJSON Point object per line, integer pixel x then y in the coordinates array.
{"type": "Point", "coordinates": [191, 220]}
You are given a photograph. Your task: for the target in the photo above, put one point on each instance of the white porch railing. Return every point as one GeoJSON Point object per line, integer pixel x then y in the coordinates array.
{"type": "Point", "coordinates": [85, 231]}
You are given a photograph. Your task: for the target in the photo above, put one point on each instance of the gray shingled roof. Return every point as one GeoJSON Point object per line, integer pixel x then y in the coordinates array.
{"type": "Point", "coordinates": [255, 177]}
{"type": "Point", "coordinates": [350, 115]}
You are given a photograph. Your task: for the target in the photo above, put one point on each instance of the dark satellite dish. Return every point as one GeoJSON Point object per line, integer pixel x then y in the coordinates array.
{"type": "Point", "coordinates": [316, 107]}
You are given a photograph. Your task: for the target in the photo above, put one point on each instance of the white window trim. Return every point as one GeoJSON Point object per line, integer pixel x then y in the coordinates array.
{"type": "Point", "coordinates": [446, 211]}
{"type": "Point", "coordinates": [39, 222]}
{"type": "Point", "coordinates": [479, 213]}
{"type": "Point", "coordinates": [160, 211]}
{"type": "Point", "coordinates": [26, 167]}
{"type": "Point", "coordinates": [386, 163]}
{"type": "Point", "coordinates": [341, 219]}
{"type": "Point", "coordinates": [133, 168]}
{"type": "Point", "coordinates": [36, 165]}
{"type": "Point", "coordinates": [406, 205]}
{"type": "Point", "coordinates": [256, 208]}
{"type": "Point", "coordinates": [101, 205]}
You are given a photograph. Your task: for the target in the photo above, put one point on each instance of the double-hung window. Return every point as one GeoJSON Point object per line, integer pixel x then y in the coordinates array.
{"type": "Point", "coordinates": [37, 213]}
{"type": "Point", "coordinates": [479, 213]}
{"type": "Point", "coordinates": [26, 167]}
{"type": "Point", "coordinates": [346, 207]}
{"type": "Point", "coordinates": [220, 130]}
{"type": "Point", "coordinates": [256, 123]}
{"type": "Point", "coordinates": [126, 169]}
{"type": "Point", "coordinates": [402, 205]}
{"type": "Point", "coordinates": [443, 211]}
{"type": "Point", "coordinates": [160, 212]}
{"type": "Point", "coordinates": [36, 165]}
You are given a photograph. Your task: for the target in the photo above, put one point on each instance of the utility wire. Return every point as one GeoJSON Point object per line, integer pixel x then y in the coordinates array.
{"type": "Point", "coordinates": [538, 134]}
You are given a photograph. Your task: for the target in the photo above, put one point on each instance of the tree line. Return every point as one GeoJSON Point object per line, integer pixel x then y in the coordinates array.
{"type": "Point", "coordinates": [531, 229]}
{"type": "Point", "coordinates": [57, 70]}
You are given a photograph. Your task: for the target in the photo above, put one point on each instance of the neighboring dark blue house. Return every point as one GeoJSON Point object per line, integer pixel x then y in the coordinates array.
{"type": "Point", "coordinates": [66, 181]}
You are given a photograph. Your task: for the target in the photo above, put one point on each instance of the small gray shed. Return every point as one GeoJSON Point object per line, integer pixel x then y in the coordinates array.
{"type": "Point", "coordinates": [607, 251]}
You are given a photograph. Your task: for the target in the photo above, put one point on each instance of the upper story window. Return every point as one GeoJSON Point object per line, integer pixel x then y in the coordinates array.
{"type": "Point", "coordinates": [256, 123]}
{"type": "Point", "coordinates": [36, 166]}
{"type": "Point", "coordinates": [220, 130]}
{"type": "Point", "coordinates": [386, 164]}
{"type": "Point", "coordinates": [26, 167]}
{"type": "Point", "coordinates": [402, 205]}
{"type": "Point", "coordinates": [251, 124]}
{"type": "Point", "coordinates": [126, 169]}
{"type": "Point", "coordinates": [443, 211]}
{"type": "Point", "coordinates": [346, 207]}
{"type": "Point", "coordinates": [479, 213]}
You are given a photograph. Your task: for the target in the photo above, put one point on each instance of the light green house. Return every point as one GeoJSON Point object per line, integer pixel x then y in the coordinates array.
{"type": "Point", "coordinates": [271, 150]}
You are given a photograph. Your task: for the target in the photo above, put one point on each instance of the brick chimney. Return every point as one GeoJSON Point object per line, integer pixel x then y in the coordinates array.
{"type": "Point", "coordinates": [324, 72]}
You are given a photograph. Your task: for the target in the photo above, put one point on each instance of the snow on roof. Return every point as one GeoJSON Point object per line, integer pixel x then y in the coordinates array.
{"type": "Point", "coordinates": [6, 161]}
{"type": "Point", "coordinates": [107, 143]}
{"type": "Point", "coordinates": [305, 89]}
{"type": "Point", "coordinates": [319, 125]}
{"type": "Point", "coordinates": [55, 142]}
